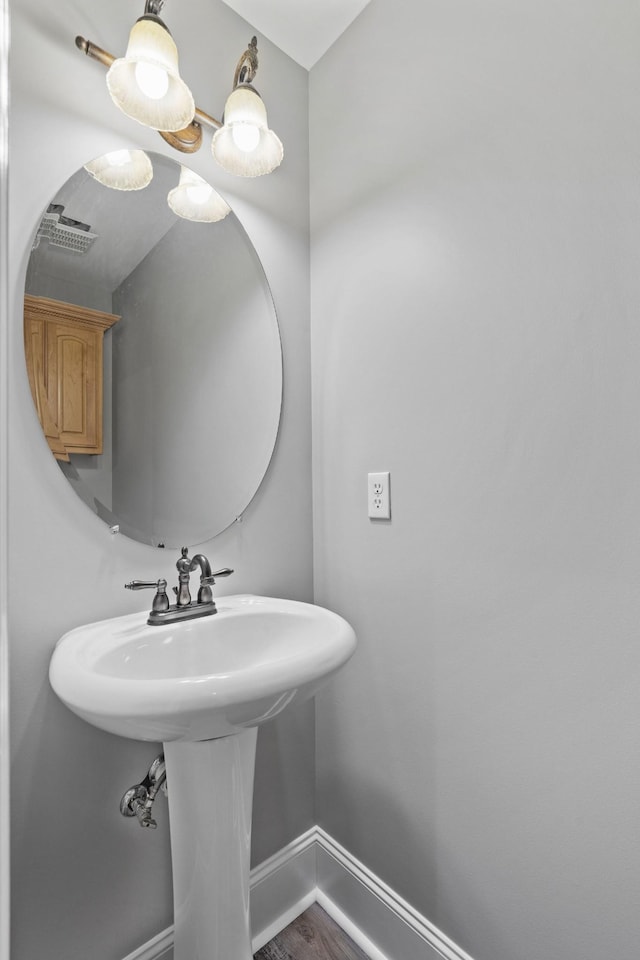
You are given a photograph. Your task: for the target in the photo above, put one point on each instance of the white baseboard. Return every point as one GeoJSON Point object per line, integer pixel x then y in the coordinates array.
{"type": "Point", "coordinates": [315, 868]}
{"type": "Point", "coordinates": [382, 924]}
{"type": "Point", "coordinates": [282, 888]}
{"type": "Point", "coordinates": [159, 947]}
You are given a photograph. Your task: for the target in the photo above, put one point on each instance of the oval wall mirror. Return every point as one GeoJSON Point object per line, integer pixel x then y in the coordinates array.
{"type": "Point", "coordinates": [154, 358]}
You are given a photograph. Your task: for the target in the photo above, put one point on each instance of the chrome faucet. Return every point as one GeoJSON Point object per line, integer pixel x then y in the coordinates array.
{"type": "Point", "coordinates": [184, 608]}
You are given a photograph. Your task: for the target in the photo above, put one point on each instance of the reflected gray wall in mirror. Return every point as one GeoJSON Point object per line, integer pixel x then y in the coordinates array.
{"type": "Point", "coordinates": [192, 371]}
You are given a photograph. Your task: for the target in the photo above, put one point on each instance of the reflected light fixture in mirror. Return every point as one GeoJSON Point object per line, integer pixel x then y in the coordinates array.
{"type": "Point", "coordinates": [146, 85]}
{"type": "Point", "coordinates": [122, 170]}
{"type": "Point", "coordinates": [195, 199]}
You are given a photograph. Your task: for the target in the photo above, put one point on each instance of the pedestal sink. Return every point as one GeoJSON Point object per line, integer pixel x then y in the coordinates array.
{"type": "Point", "coordinates": [203, 687]}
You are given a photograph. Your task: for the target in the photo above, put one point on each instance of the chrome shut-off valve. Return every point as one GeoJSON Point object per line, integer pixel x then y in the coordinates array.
{"type": "Point", "coordinates": [138, 800]}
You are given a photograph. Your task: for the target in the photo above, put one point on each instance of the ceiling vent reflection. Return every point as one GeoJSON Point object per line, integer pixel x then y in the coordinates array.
{"type": "Point", "coordinates": [63, 232]}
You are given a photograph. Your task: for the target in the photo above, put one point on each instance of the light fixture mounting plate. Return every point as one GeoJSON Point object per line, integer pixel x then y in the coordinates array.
{"type": "Point", "coordinates": [188, 140]}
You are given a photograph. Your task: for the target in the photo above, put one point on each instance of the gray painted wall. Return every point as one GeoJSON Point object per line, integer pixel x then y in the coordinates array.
{"type": "Point", "coordinates": [197, 395]}
{"type": "Point", "coordinates": [85, 882]}
{"type": "Point", "coordinates": [475, 208]}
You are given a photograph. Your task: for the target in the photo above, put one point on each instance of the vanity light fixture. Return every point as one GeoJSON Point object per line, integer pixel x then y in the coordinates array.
{"type": "Point", "coordinates": [146, 85]}
{"type": "Point", "coordinates": [122, 169]}
{"type": "Point", "coordinates": [244, 144]}
{"type": "Point", "coordinates": [195, 199]}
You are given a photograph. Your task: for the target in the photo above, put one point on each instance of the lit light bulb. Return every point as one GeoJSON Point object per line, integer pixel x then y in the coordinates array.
{"type": "Point", "coordinates": [199, 193]}
{"type": "Point", "coordinates": [118, 158]}
{"type": "Point", "coordinates": [152, 80]}
{"type": "Point", "coordinates": [246, 136]}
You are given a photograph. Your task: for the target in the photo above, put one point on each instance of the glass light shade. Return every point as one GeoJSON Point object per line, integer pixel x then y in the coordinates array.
{"type": "Point", "coordinates": [145, 83]}
{"type": "Point", "coordinates": [195, 199]}
{"type": "Point", "coordinates": [122, 169]}
{"type": "Point", "coordinates": [245, 145]}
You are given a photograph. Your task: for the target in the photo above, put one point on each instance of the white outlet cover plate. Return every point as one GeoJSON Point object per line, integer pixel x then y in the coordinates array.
{"type": "Point", "coordinates": [379, 496]}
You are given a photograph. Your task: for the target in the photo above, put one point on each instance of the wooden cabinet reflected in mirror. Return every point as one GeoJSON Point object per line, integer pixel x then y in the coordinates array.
{"type": "Point", "coordinates": [64, 353]}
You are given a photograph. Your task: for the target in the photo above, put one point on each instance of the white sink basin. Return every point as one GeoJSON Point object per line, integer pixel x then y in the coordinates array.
{"type": "Point", "coordinates": [199, 679]}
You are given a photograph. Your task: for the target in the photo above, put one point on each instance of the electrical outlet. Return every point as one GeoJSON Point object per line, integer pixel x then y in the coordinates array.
{"type": "Point", "coordinates": [379, 500]}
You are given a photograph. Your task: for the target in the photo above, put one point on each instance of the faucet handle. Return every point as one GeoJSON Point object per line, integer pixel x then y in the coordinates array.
{"type": "Point", "coordinates": [204, 593]}
{"type": "Point", "coordinates": [225, 572]}
{"type": "Point", "coordinates": [160, 601]}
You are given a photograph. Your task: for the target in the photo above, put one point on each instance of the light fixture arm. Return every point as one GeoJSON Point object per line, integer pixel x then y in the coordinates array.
{"type": "Point", "coordinates": [153, 7]}
{"type": "Point", "coordinates": [94, 51]}
{"type": "Point", "coordinates": [247, 66]}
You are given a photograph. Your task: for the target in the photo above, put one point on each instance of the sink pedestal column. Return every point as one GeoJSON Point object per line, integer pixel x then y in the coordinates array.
{"type": "Point", "coordinates": [210, 793]}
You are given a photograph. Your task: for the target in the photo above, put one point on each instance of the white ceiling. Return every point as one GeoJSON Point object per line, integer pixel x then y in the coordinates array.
{"type": "Point", "coordinates": [304, 29]}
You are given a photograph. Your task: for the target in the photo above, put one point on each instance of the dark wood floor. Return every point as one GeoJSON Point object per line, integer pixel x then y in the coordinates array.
{"type": "Point", "coordinates": [312, 936]}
